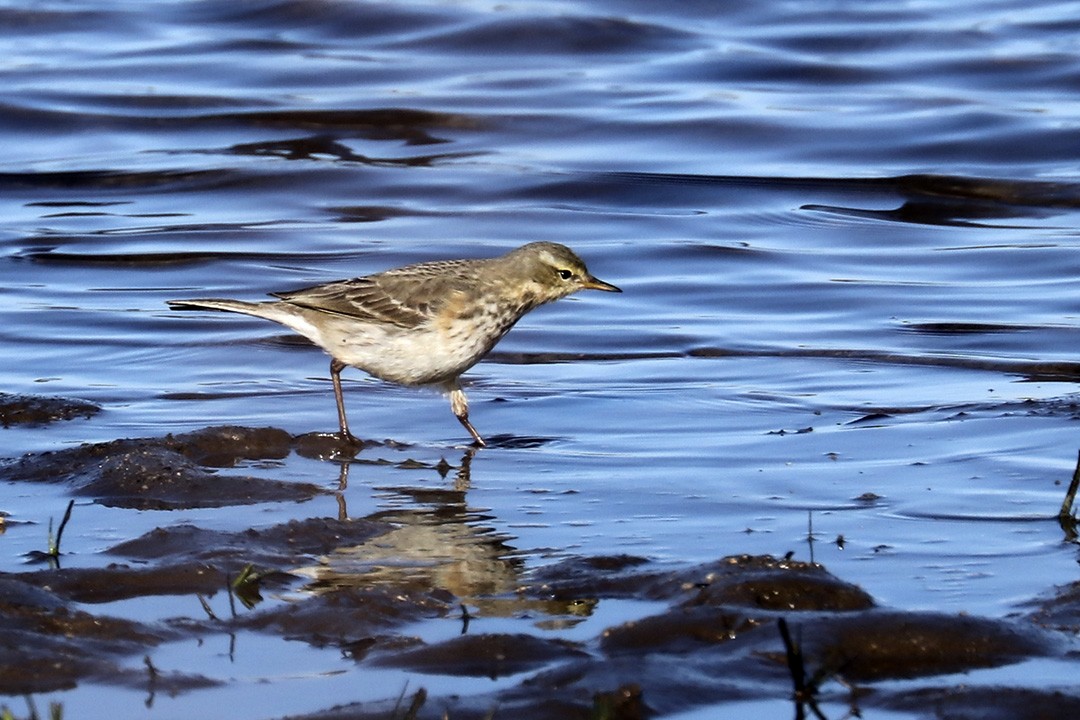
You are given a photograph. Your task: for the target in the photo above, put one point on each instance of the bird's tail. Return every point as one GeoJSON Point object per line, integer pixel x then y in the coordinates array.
{"type": "Point", "coordinates": [284, 313]}
{"type": "Point", "coordinates": [237, 306]}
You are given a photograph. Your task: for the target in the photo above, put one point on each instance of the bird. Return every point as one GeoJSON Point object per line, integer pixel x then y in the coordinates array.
{"type": "Point", "coordinates": [422, 324]}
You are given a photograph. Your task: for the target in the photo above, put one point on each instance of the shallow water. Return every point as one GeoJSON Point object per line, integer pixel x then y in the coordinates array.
{"type": "Point", "coordinates": [846, 234]}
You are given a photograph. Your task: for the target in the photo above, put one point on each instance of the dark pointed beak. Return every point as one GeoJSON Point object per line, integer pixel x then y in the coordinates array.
{"type": "Point", "coordinates": [591, 283]}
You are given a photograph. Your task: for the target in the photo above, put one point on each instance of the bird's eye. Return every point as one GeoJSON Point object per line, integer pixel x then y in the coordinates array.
{"type": "Point", "coordinates": [565, 274]}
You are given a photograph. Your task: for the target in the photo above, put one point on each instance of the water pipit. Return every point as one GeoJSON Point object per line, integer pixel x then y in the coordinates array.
{"type": "Point", "coordinates": [422, 324]}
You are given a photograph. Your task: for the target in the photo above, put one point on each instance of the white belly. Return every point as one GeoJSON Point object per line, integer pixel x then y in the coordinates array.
{"type": "Point", "coordinates": [419, 356]}
{"type": "Point", "coordinates": [413, 357]}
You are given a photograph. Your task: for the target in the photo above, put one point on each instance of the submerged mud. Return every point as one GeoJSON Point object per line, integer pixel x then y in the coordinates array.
{"type": "Point", "coordinates": [49, 645]}
{"type": "Point", "coordinates": [358, 585]}
{"type": "Point", "coordinates": [35, 410]}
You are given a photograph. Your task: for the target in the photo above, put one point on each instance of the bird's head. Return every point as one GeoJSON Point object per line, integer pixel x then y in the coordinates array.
{"type": "Point", "coordinates": [555, 271]}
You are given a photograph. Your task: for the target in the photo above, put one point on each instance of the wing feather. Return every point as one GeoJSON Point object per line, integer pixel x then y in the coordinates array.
{"type": "Point", "coordinates": [406, 297]}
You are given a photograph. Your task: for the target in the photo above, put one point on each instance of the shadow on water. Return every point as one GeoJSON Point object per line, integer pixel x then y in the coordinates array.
{"type": "Point", "coordinates": [1031, 370]}
{"type": "Point", "coordinates": [925, 199]}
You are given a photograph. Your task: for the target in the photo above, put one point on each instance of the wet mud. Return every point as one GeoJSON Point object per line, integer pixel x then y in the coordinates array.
{"type": "Point", "coordinates": [168, 473]}
{"type": "Point", "coordinates": [738, 628]}
{"type": "Point", "coordinates": [34, 410]}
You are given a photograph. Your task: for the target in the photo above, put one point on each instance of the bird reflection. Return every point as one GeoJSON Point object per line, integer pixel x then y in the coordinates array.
{"type": "Point", "coordinates": [461, 477]}
{"type": "Point", "coordinates": [438, 543]}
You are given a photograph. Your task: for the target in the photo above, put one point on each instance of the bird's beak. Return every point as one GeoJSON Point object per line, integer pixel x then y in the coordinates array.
{"type": "Point", "coordinates": [591, 283]}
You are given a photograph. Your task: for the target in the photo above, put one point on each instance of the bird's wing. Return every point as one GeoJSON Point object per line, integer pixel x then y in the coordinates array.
{"type": "Point", "coordinates": [407, 297]}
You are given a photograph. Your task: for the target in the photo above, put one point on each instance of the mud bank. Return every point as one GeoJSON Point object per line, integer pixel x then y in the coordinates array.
{"type": "Point", "coordinates": [739, 628]}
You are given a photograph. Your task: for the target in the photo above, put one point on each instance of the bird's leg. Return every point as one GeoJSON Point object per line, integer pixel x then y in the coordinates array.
{"type": "Point", "coordinates": [460, 405]}
{"type": "Point", "coordinates": [336, 367]}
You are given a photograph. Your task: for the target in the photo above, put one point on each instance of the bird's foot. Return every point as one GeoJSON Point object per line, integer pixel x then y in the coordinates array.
{"type": "Point", "coordinates": [329, 445]}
